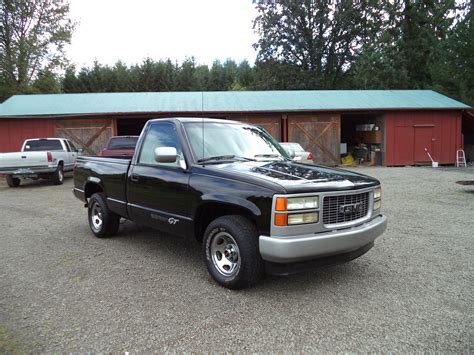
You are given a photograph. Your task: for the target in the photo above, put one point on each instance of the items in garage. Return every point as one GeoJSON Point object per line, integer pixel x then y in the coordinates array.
{"type": "Point", "coordinates": [364, 141]}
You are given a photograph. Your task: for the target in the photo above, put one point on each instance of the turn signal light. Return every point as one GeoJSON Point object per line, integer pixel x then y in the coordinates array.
{"type": "Point", "coordinates": [280, 204]}
{"type": "Point", "coordinates": [50, 157]}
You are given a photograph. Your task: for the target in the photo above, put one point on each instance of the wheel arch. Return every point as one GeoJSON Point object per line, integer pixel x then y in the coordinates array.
{"type": "Point", "coordinates": [91, 188]}
{"type": "Point", "coordinates": [209, 210]}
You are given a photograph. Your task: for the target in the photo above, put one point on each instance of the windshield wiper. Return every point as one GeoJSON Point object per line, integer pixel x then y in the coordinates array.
{"type": "Point", "coordinates": [224, 157]}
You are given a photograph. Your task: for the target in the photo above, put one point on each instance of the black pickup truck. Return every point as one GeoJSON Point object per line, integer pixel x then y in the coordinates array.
{"type": "Point", "coordinates": [233, 188]}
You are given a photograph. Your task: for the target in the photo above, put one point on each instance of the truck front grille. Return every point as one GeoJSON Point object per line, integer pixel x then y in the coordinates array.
{"type": "Point", "coordinates": [345, 208]}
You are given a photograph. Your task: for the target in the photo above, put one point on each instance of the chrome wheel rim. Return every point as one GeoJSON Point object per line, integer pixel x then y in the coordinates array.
{"type": "Point", "coordinates": [60, 174]}
{"type": "Point", "coordinates": [225, 254]}
{"type": "Point", "coordinates": [96, 217]}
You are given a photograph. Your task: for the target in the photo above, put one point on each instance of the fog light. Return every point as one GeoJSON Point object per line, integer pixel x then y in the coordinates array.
{"type": "Point", "coordinates": [377, 204]}
{"type": "Point", "coordinates": [303, 218]}
{"type": "Point", "coordinates": [281, 219]}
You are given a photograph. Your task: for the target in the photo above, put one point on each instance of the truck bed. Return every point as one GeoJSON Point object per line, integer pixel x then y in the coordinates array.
{"type": "Point", "coordinates": [110, 173]}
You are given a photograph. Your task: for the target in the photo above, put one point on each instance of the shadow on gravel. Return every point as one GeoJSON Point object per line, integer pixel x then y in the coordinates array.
{"type": "Point", "coordinates": [31, 184]}
{"type": "Point", "coordinates": [321, 277]}
{"type": "Point", "coordinates": [140, 236]}
{"type": "Point", "coordinates": [187, 253]}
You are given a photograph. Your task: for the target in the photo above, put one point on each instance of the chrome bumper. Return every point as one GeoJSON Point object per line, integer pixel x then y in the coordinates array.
{"type": "Point", "coordinates": [311, 246]}
{"type": "Point", "coordinates": [27, 171]}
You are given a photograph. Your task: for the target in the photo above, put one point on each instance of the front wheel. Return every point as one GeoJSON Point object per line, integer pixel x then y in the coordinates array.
{"type": "Point", "coordinates": [102, 221]}
{"type": "Point", "coordinates": [13, 181]}
{"type": "Point", "coordinates": [231, 252]}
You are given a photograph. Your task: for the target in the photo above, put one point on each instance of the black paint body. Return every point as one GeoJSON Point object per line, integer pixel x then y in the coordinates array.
{"type": "Point", "coordinates": [172, 199]}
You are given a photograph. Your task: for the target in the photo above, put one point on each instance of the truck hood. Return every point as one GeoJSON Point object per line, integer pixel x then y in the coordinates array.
{"type": "Point", "coordinates": [294, 177]}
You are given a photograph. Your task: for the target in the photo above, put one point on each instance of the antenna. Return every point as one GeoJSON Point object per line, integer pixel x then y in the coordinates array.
{"type": "Point", "coordinates": [202, 121]}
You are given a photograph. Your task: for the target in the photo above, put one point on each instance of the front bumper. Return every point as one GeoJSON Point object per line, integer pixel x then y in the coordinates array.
{"type": "Point", "coordinates": [290, 249]}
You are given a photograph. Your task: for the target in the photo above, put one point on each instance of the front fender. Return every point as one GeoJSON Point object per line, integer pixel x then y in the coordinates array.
{"type": "Point", "coordinates": [232, 200]}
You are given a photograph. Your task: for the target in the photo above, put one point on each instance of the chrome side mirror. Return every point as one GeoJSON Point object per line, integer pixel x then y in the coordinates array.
{"type": "Point", "coordinates": [166, 154]}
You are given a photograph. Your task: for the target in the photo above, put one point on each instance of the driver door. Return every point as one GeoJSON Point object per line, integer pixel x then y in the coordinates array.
{"type": "Point", "coordinates": [158, 193]}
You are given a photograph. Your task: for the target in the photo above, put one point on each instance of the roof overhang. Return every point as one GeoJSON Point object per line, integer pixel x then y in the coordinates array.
{"type": "Point", "coordinates": [221, 113]}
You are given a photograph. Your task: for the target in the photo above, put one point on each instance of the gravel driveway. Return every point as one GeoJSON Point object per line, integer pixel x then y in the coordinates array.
{"type": "Point", "coordinates": [62, 290]}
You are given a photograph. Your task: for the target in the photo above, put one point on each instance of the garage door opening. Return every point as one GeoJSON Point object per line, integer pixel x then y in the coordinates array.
{"type": "Point", "coordinates": [362, 138]}
{"type": "Point", "coordinates": [468, 134]}
{"type": "Point", "coordinates": [130, 126]}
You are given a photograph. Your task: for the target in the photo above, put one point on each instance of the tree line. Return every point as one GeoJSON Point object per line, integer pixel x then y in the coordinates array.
{"type": "Point", "coordinates": [303, 44]}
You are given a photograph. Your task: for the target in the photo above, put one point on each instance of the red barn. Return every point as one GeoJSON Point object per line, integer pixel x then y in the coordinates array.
{"type": "Point", "coordinates": [399, 124]}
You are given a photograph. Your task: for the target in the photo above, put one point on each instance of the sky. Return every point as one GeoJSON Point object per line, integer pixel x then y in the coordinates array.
{"type": "Point", "coordinates": [132, 30]}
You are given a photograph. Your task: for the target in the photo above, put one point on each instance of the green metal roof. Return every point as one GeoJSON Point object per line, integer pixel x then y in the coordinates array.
{"type": "Point", "coordinates": [225, 101]}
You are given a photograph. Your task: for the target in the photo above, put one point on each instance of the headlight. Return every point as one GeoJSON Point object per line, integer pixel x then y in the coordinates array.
{"type": "Point", "coordinates": [285, 205]}
{"type": "Point", "coordinates": [377, 193]}
{"type": "Point", "coordinates": [296, 203]}
{"type": "Point", "coordinates": [377, 198]}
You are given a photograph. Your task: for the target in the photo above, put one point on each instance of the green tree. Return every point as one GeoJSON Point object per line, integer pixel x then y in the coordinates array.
{"type": "Point", "coordinates": [320, 38]}
{"type": "Point", "coordinates": [154, 76]}
{"type": "Point", "coordinates": [46, 82]}
{"type": "Point", "coordinates": [201, 77]}
{"type": "Point", "coordinates": [453, 69]}
{"type": "Point", "coordinates": [70, 83]}
{"type": "Point", "coordinates": [185, 78]}
{"type": "Point", "coordinates": [407, 46]}
{"type": "Point", "coordinates": [33, 34]}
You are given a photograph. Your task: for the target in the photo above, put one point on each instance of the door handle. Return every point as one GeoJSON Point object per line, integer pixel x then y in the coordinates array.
{"type": "Point", "coordinates": [134, 178]}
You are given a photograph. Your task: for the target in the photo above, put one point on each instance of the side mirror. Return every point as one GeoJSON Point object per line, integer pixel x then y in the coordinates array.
{"type": "Point", "coordinates": [80, 150]}
{"type": "Point", "coordinates": [166, 154]}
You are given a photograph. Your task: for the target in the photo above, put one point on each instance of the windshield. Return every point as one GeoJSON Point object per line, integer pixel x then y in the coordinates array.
{"type": "Point", "coordinates": [123, 143]}
{"type": "Point", "coordinates": [232, 140]}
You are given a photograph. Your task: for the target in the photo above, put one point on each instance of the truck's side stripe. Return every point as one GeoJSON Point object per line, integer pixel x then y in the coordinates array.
{"type": "Point", "coordinates": [117, 201]}
{"type": "Point", "coordinates": [159, 212]}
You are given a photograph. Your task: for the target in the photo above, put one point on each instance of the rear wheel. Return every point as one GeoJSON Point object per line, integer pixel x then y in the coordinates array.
{"type": "Point", "coordinates": [231, 252]}
{"type": "Point", "coordinates": [58, 175]}
{"type": "Point", "coordinates": [13, 181]}
{"type": "Point", "coordinates": [102, 221]}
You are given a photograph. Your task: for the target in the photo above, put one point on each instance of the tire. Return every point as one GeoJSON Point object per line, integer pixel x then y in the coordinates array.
{"type": "Point", "coordinates": [231, 252]}
{"type": "Point", "coordinates": [102, 221]}
{"type": "Point", "coordinates": [58, 176]}
{"type": "Point", "coordinates": [13, 181]}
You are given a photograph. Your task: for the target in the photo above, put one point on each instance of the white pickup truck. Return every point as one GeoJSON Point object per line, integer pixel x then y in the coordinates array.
{"type": "Point", "coordinates": [40, 158]}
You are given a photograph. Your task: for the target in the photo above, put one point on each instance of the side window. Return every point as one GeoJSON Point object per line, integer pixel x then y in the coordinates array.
{"type": "Point", "coordinates": [159, 135]}
{"type": "Point", "coordinates": [66, 143]}
{"type": "Point", "coordinates": [73, 147]}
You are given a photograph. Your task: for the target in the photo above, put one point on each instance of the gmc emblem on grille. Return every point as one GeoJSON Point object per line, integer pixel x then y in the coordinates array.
{"type": "Point", "coordinates": [350, 209]}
